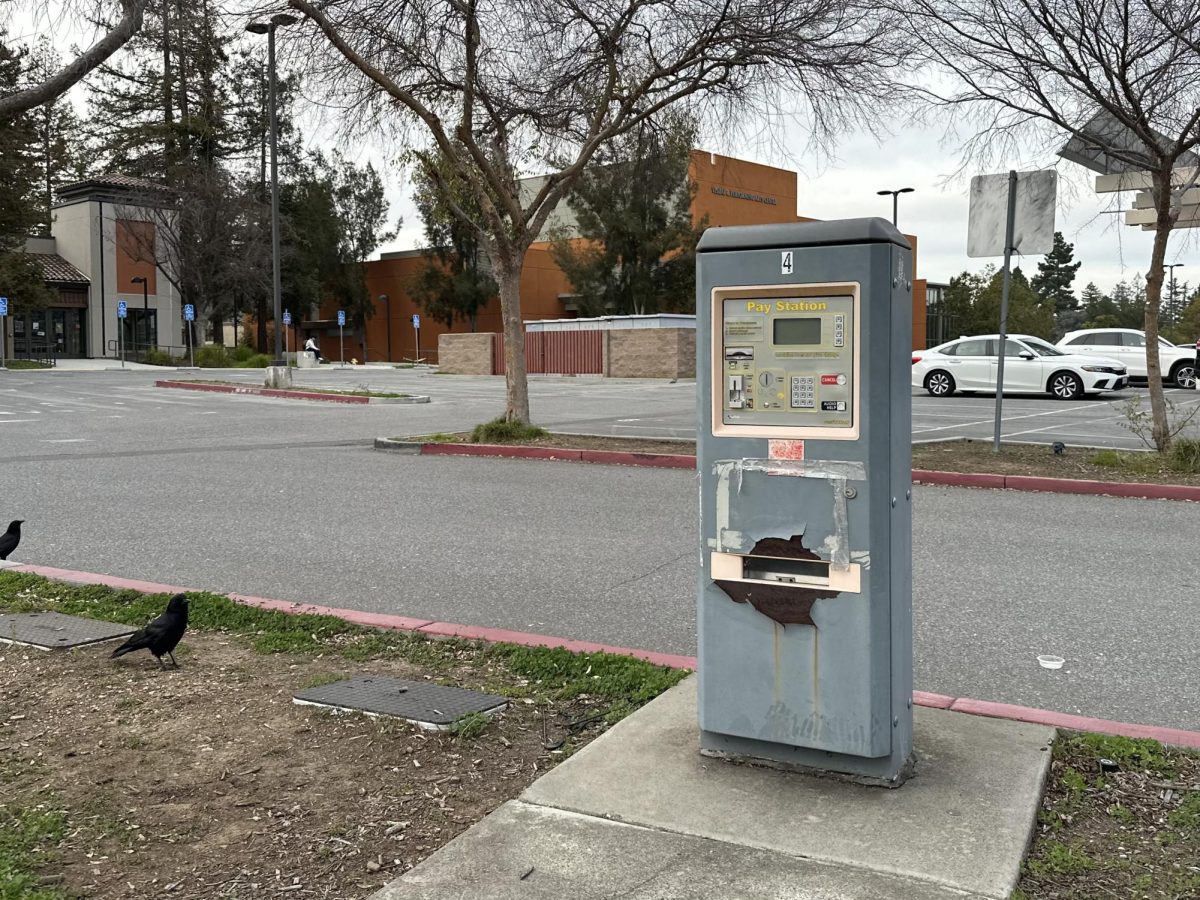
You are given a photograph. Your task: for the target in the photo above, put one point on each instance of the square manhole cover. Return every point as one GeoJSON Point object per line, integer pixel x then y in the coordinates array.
{"type": "Point", "coordinates": [428, 705]}
{"type": "Point", "coordinates": [54, 631]}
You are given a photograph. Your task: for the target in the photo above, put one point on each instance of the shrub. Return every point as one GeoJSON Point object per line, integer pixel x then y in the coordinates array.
{"type": "Point", "coordinates": [501, 431]}
{"type": "Point", "coordinates": [212, 357]}
{"type": "Point", "coordinates": [257, 361]}
{"type": "Point", "coordinates": [241, 353]}
{"type": "Point", "coordinates": [1185, 455]}
{"type": "Point", "coordinates": [158, 358]}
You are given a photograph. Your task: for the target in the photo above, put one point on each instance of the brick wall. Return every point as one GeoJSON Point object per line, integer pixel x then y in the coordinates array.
{"type": "Point", "coordinates": [465, 354]}
{"type": "Point", "coordinates": [650, 353]}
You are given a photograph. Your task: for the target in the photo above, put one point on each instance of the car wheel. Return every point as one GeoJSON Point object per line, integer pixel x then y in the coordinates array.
{"type": "Point", "coordinates": [939, 383]}
{"type": "Point", "coordinates": [1066, 386]}
{"type": "Point", "coordinates": [1184, 375]}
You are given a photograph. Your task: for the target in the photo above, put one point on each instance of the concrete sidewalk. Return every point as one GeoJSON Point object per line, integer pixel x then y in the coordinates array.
{"type": "Point", "coordinates": [639, 814]}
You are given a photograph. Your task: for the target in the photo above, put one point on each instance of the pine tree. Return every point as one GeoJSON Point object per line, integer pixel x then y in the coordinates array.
{"type": "Point", "coordinates": [633, 208]}
{"type": "Point", "coordinates": [20, 277]}
{"type": "Point", "coordinates": [56, 132]}
{"type": "Point", "coordinates": [455, 283]}
{"type": "Point", "coordinates": [1055, 274]}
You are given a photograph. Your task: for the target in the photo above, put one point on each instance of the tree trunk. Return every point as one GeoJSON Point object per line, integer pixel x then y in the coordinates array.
{"type": "Point", "coordinates": [1160, 429]}
{"type": "Point", "coordinates": [508, 273]}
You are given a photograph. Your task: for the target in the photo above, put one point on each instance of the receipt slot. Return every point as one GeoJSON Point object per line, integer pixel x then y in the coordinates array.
{"type": "Point", "coordinates": [803, 442]}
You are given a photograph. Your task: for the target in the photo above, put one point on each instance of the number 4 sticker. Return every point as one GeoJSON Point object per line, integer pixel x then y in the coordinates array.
{"type": "Point", "coordinates": [785, 263]}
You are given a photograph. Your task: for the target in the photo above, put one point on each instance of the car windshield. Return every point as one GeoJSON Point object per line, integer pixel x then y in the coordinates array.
{"type": "Point", "coordinates": [1037, 345]}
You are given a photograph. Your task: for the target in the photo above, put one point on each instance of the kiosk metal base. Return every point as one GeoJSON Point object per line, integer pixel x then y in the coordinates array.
{"type": "Point", "coordinates": [881, 772]}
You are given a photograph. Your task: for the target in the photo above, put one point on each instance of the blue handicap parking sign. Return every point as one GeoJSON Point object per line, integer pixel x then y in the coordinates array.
{"type": "Point", "coordinates": [287, 317]}
{"type": "Point", "coordinates": [416, 321]}
{"type": "Point", "coordinates": [341, 317]}
{"type": "Point", "coordinates": [122, 309]}
{"type": "Point", "coordinates": [189, 313]}
{"type": "Point", "coordinates": [3, 306]}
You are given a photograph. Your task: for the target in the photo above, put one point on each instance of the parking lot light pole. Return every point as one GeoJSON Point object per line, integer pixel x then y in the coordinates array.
{"type": "Point", "coordinates": [387, 312]}
{"type": "Point", "coordinates": [895, 200]}
{"type": "Point", "coordinates": [268, 28]}
{"type": "Point", "coordinates": [1171, 296]}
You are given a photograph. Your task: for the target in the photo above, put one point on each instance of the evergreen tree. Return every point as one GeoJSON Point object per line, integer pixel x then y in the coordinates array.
{"type": "Point", "coordinates": [56, 147]}
{"type": "Point", "coordinates": [1055, 274]}
{"type": "Point", "coordinates": [21, 279]}
{"type": "Point", "coordinates": [456, 282]}
{"type": "Point", "coordinates": [632, 251]}
{"type": "Point", "coordinates": [1188, 328]}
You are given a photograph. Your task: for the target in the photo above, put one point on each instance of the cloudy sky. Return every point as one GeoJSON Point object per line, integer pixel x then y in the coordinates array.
{"type": "Point", "coordinates": [936, 212]}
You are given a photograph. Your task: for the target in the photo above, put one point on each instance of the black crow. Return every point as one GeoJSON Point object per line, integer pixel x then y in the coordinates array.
{"type": "Point", "coordinates": [162, 635]}
{"type": "Point", "coordinates": [10, 538]}
{"type": "Point", "coordinates": [1058, 447]}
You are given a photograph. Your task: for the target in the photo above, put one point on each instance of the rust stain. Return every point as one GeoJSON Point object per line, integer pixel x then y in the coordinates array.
{"type": "Point", "coordinates": [787, 604]}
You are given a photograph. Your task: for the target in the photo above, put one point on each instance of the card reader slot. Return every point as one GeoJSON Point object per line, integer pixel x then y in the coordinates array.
{"type": "Point", "coordinates": [786, 571]}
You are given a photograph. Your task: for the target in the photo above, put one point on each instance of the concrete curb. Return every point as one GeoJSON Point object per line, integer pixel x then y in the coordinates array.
{"type": "Point", "coordinates": [286, 395]}
{"type": "Point", "coordinates": [987, 708]}
{"type": "Point", "coordinates": [1059, 485]}
{"type": "Point", "coordinates": [919, 476]}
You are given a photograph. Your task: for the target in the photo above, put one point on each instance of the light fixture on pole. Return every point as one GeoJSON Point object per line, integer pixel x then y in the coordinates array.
{"type": "Point", "coordinates": [895, 199]}
{"type": "Point", "coordinates": [1171, 296]}
{"type": "Point", "coordinates": [268, 28]}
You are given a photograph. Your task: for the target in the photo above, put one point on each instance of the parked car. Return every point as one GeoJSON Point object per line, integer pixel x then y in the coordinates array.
{"type": "Point", "coordinates": [1031, 365]}
{"type": "Point", "coordinates": [1129, 346]}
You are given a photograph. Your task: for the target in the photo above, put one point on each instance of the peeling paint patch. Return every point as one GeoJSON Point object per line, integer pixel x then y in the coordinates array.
{"type": "Point", "coordinates": [787, 604]}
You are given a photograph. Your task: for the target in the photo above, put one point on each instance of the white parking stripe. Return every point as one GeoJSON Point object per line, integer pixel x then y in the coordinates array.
{"type": "Point", "coordinates": [1049, 412]}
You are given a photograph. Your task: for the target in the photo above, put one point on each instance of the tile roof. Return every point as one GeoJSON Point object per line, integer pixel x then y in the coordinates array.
{"type": "Point", "coordinates": [115, 180]}
{"type": "Point", "coordinates": [57, 270]}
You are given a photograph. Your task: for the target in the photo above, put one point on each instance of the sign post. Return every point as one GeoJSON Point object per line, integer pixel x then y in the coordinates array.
{"type": "Point", "coordinates": [1009, 214]}
{"type": "Point", "coordinates": [417, 332]}
{"type": "Point", "coordinates": [342, 336]}
{"type": "Point", "coordinates": [287, 327]}
{"type": "Point", "coordinates": [189, 316]}
{"type": "Point", "coordinates": [4, 331]}
{"type": "Point", "coordinates": [122, 312]}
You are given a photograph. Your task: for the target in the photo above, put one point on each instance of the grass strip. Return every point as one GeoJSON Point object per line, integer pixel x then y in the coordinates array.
{"type": "Point", "coordinates": [508, 669]}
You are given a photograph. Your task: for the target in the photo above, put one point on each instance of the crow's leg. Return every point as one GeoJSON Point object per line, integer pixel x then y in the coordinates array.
{"type": "Point", "coordinates": [161, 664]}
{"type": "Point", "coordinates": [172, 655]}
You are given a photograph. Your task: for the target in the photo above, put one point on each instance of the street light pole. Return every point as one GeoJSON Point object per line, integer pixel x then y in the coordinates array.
{"type": "Point", "coordinates": [280, 19]}
{"type": "Point", "coordinates": [1171, 297]}
{"type": "Point", "coordinates": [141, 279]}
{"type": "Point", "coordinates": [895, 200]}
{"type": "Point", "coordinates": [387, 311]}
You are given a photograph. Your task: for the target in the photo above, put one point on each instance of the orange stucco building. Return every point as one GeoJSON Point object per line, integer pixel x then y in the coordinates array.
{"type": "Point", "coordinates": [729, 192]}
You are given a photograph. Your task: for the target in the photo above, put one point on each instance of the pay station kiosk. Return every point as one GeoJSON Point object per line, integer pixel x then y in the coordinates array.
{"type": "Point", "coordinates": [803, 442]}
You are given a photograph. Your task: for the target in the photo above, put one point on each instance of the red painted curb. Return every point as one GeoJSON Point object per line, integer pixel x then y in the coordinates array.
{"type": "Point", "coordinates": [958, 479]}
{"type": "Point", "coordinates": [990, 709]}
{"type": "Point", "coordinates": [262, 392]}
{"type": "Point", "coordinates": [625, 458]}
{"type": "Point", "coordinates": [1112, 488]}
{"type": "Point", "coordinates": [1163, 735]}
{"type": "Point", "coordinates": [437, 449]}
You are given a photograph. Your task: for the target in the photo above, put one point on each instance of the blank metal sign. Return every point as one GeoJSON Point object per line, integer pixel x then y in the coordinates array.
{"type": "Point", "coordinates": [1033, 215]}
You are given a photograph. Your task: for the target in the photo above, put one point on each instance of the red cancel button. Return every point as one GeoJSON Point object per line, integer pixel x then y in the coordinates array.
{"type": "Point", "coordinates": [829, 379]}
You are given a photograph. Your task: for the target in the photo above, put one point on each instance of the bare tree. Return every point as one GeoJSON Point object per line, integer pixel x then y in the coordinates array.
{"type": "Point", "coordinates": [55, 84]}
{"type": "Point", "coordinates": [1119, 78]}
{"type": "Point", "coordinates": [500, 89]}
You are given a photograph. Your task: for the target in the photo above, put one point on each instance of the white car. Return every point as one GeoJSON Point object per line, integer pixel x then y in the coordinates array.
{"type": "Point", "coordinates": [1129, 346]}
{"type": "Point", "coordinates": [1031, 366]}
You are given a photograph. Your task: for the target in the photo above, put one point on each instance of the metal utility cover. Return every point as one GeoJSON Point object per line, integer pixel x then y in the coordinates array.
{"type": "Point", "coordinates": [1033, 220]}
{"type": "Point", "coordinates": [428, 705]}
{"type": "Point", "coordinates": [54, 631]}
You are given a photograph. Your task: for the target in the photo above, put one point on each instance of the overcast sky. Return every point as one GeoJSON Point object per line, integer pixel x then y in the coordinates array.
{"type": "Point", "coordinates": [937, 210]}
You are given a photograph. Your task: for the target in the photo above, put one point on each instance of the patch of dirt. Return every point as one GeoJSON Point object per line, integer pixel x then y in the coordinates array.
{"type": "Point", "coordinates": [208, 781]}
{"type": "Point", "coordinates": [1128, 833]}
{"type": "Point", "coordinates": [1040, 460]}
